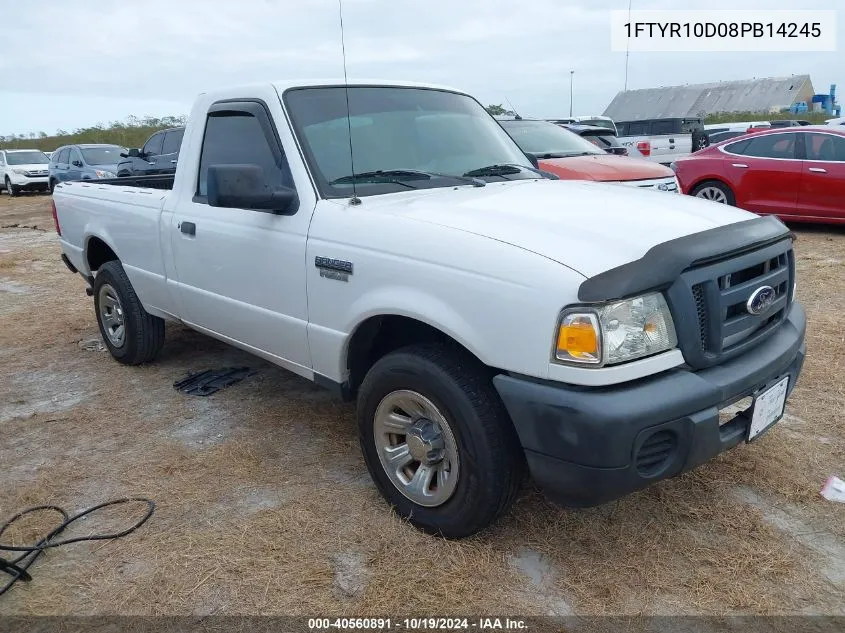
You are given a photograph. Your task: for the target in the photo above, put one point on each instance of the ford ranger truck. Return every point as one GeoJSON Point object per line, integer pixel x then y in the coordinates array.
{"type": "Point", "coordinates": [389, 241]}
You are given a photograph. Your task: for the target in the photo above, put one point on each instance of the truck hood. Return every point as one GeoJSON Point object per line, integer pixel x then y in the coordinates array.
{"type": "Point", "coordinates": [586, 226]}
{"type": "Point", "coordinates": [29, 167]}
{"type": "Point", "coordinates": [604, 167]}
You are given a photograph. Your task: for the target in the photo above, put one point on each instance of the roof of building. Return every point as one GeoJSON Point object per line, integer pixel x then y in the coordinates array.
{"type": "Point", "coordinates": [697, 100]}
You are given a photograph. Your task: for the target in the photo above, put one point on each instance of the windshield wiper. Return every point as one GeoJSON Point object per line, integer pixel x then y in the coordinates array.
{"type": "Point", "coordinates": [399, 176]}
{"type": "Point", "coordinates": [504, 169]}
{"type": "Point", "coordinates": [494, 170]}
{"type": "Point", "coordinates": [565, 154]}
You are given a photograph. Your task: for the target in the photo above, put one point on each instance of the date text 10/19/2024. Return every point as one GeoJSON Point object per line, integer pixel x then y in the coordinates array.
{"type": "Point", "coordinates": [417, 624]}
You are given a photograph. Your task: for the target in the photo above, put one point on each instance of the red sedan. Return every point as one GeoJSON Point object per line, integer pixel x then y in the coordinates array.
{"type": "Point", "coordinates": [797, 174]}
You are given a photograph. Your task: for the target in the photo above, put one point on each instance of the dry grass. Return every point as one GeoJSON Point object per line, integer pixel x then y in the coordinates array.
{"type": "Point", "coordinates": [264, 504]}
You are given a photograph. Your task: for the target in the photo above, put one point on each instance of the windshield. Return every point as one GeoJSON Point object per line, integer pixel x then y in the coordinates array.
{"type": "Point", "coordinates": [541, 138]}
{"type": "Point", "coordinates": [109, 155]}
{"type": "Point", "coordinates": [608, 125]}
{"type": "Point", "coordinates": [27, 158]}
{"type": "Point", "coordinates": [398, 129]}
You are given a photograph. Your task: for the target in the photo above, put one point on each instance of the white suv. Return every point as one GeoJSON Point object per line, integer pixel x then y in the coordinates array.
{"type": "Point", "coordinates": [23, 170]}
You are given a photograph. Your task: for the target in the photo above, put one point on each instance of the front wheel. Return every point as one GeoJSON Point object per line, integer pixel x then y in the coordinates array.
{"type": "Point", "coordinates": [11, 191]}
{"type": "Point", "coordinates": [437, 439]}
{"type": "Point", "coordinates": [131, 334]}
{"type": "Point", "coordinates": [715, 192]}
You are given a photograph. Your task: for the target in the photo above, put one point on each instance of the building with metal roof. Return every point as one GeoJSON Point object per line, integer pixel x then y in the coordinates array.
{"type": "Point", "coordinates": [698, 100]}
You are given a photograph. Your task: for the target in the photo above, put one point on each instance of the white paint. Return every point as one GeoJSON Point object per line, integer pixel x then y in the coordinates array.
{"type": "Point", "coordinates": [492, 267]}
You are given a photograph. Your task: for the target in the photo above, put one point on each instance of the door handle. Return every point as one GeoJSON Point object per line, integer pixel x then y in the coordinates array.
{"type": "Point", "coordinates": [188, 228]}
{"type": "Point", "coordinates": [151, 162]}
{"type": "Point", "coordinates": [818, 170]}
{"type": "Point", "coordinates": [173, 161]}
{"type": "Point", "coordinates": [740, 165]}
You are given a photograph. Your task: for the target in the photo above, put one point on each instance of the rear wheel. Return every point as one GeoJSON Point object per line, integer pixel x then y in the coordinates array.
{"type": "Point", "coordinates": [715, 192]}
{"type": "Point", "coordinates": [437, 439]}
{"type": "Point", "coordinates": [131, 334]}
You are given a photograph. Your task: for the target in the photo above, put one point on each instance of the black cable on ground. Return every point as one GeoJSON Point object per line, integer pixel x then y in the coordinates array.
{"type": "Point", "coordinates": [17, 567]}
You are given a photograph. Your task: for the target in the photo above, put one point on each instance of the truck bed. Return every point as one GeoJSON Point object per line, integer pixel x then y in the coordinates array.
{"type": "Point", "coordinates": [156, 181]}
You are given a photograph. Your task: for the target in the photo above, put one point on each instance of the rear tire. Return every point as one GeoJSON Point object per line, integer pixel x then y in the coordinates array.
{"type": "Point", "coordinates": [715, 191]}
{"type": "Point", "coordinates": [131, 334]}
{"type": "Point", "coordinates": [483, 469]}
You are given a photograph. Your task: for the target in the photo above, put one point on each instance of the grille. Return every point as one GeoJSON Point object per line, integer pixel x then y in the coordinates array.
{"type": "Point", "coordinates": [655, 452]}
{"type": "Point", "coordinates": [712, 303]}
{"type": "Point", "coordinates": [666, 184]}
{"type": "Point", "coordinates": [33, 174]}
{"type": "Point", "coordinates": [701, 312]}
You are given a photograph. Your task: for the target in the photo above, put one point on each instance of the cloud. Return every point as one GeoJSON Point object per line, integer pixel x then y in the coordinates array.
{"type": "Point", "coordinates": [158, 52]}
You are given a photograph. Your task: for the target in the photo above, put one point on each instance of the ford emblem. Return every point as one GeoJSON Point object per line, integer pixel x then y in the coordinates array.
{"type": "Point", "coordinates": [760, 300]}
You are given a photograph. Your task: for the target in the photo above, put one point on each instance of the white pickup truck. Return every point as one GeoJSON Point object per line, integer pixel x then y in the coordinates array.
{"type": "Point", "coordinates": [486, 317]}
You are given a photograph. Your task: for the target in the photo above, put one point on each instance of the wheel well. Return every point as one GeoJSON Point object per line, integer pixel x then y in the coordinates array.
{"type": "Point", "coordinates": [706, 180]}
{"type": "Point", "coordinates": [380, 335]}
{"type": "Point", "coordinates": [98, 253]}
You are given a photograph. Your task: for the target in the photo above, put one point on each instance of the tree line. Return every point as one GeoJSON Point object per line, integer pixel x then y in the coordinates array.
{"type": "Point", "coordinates": [131, 132]}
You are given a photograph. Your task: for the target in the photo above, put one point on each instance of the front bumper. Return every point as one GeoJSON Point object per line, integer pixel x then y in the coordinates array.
{"type": "Point", "coordinates": [585, 446]}
{"type": "Point", "coordinates": [25, 183]}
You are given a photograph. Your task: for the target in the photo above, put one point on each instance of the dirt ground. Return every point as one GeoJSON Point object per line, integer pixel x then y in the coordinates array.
{"type": "Point", "coordinates": [264, 504]}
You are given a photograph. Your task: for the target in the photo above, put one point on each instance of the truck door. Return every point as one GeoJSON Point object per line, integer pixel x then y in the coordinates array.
{"type": "Point", "coordinates": [75, 164]}
{"type": "Point", "coordinates": [241, 272]}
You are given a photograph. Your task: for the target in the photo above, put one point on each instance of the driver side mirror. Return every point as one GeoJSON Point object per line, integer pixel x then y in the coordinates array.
{"type": "Point", "coordinates": [132, 153]}
{"type": "Point", "coordinates": [244, 187]}
{"type": "Point", "coordinates": [77, 163]}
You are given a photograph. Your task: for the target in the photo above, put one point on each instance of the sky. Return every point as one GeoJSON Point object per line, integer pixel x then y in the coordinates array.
{"type": "Point", "coordinates": [75, 64]}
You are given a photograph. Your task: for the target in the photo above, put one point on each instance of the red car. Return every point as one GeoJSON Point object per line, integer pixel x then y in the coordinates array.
{"type": "Point", "coordinates": [796, 173]}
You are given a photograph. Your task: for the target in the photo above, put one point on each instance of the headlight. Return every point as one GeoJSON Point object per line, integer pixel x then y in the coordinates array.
{"type": "Point", "coordinates": [673, 166]}
{"type": "Point", "coordinates": [103, 174]}
{"type": "Point", "coordinates": [615, 332]}
{"type": "Point", "coordinates": [19, 172]}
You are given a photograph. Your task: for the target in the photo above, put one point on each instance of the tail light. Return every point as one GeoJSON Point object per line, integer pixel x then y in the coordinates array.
{"type": "Point", "coordinates": [56, 217]}
{"type": "Point", "coordinates": [644, 148]}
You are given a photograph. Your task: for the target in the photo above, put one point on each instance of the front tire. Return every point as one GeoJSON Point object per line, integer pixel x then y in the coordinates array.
{"type": "Point", "coordinates": [131, 334]}
{"type": "Point", "coordinates": [437, 439]}
{"type": "Point", "coordinates": [11, 191]}
{"type": "Point", "coordinates": [715, 191]}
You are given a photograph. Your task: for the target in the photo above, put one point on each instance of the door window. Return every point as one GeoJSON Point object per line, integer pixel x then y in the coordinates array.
{"type": "Point", "coordinates": [825, 147]}
{"type": "Point", "coordinates": [637, 129]}
{"type": "Point", "coordinates": [238, 138]}
{"type": "Point", "coordinates": [172, 141]}
{"type": "Point", "coordinates": [63, 155]}
{"type": "Point", "coordinates": [767, 146]}
{"type": "Point", "coordinates": [153, 146]}
{"type": "Point", "coordinates": [662, 127]}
